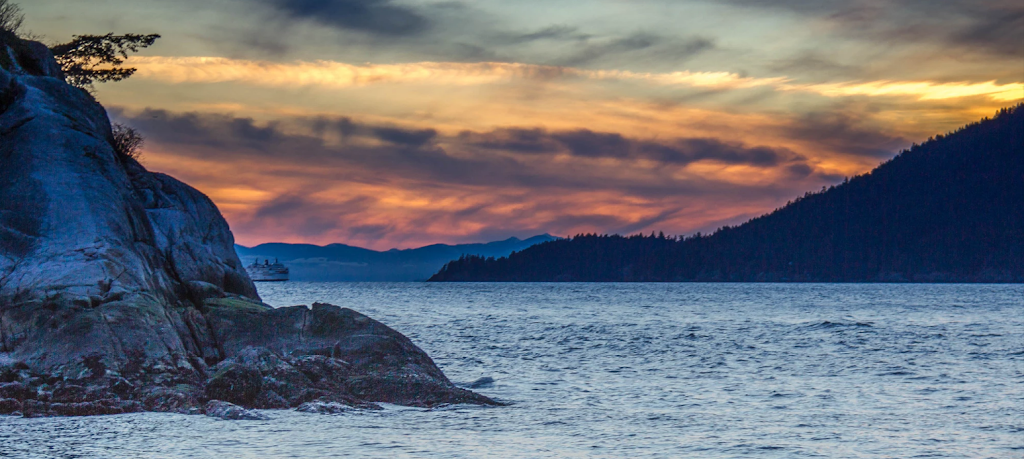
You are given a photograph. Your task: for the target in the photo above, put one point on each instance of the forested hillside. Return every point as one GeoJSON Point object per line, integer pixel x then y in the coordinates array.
{"type": "Point", "coordinates": [950, 210]}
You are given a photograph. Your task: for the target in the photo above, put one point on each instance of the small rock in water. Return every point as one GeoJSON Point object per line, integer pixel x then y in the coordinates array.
{"type": "Point", "coordinates": [324, 407]}
{"type": "Point", "coordinates": [482, 382]}
{"type": "Point", "coordinates": [335, 406]}
{"type": "Point", "coordinates": [230, 411]}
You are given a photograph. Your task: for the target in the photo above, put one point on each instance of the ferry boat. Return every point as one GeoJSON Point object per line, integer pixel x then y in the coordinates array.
{"type": "Point", "coordinates": [267, 272]}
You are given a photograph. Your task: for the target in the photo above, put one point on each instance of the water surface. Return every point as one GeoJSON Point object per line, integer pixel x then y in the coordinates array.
{"type": "Point", "coordinates": [641, 370]}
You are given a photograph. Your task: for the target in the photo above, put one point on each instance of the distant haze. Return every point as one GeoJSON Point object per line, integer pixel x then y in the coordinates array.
{"type": "Point", "coordinates": [339, 262]}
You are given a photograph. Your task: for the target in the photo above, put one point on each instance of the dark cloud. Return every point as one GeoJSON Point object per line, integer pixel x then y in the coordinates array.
{"type": "Point", "coordinates": [520, 179]}
{"type": "Point", "coordinates": [685, 151]}
{"type": "Point", "coordinates": [566, 222]}
{"type": "Point", "coordinates": [381, 17]}
{"type": "Point", "coordinates": [306, 216]}
{"type": "Point", "coordinates": [515, 140]}
{"type": "Point", "coordinates": [800, 170]}
{"type": "Point", "coordinates": [343, 127]}
{"type": "Point", "coordinates": [465, 52]}
{"type": "Point", "coordinates": [245, 128]}
{"type": "Point", "coordinates": [453, 31]}
{"type": "Point", "coordinates": [585, 143]}
{"type": "Point", "coordinates": [370, 231]}
{"type": "Point", "coordinates": [638, 47]}
{"type": "Point", "coordinates": [412, 138]}
{"type": "Point", "coordinates": [994, 27]}
{"type": "Point", "coordinates": [242, 41]}
{"type": "Point", "coordinates": [406, 154]}
{"type": "Point", "coordinates": [218, 131]}
{"type": "Point", "coordinates": [814, 64]}
{"type": "Point", "coordinates": [1000, 30]}
{"type": "Point", "coordinates": [382, 154]}
{"type": "Point", "coordinates": [589, 144]}
{"type": "Point", "coordinates": [554, 32]}
{"type": "Point", "coordinates": [633, 227]}
{"type": "Point", "coordinates": [844, 132]}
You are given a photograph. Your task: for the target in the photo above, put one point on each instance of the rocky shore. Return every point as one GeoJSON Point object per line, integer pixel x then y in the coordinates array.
{"type": "Point", "coordinates": [120, 290]}
{"type": "Point", "coordinates": [324, 360]}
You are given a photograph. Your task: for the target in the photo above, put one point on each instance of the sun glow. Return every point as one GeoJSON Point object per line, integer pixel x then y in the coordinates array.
{"type": "Point", "coordinates": [330, 74]}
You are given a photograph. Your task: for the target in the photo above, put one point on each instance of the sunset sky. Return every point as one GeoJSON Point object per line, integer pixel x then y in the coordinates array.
{"type": "Point", "coordinates": [386, 124]}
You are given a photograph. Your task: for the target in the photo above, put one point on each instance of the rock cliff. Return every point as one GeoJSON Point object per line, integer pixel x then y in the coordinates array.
{"type": "Point", "coordinates": [120, 289]}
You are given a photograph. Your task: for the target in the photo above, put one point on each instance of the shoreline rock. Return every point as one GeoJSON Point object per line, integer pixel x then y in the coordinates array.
{"type": "Point", "coordinates": [231, 412]}
{"type": "Point", "coordinates": [252, 378]}
{"type": "Point", "coordinates": [120, 290]}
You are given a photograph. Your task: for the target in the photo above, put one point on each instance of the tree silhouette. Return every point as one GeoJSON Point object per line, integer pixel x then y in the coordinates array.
{"type": "Point", "coordinates": [89, 59]}
{"type": "Point", "coordinates": [127, 141]}
{"type": "Point", "coordinates": [11, 17]}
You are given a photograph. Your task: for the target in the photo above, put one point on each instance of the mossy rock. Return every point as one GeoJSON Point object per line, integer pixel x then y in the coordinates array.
{"type": "Point", "coordinates": [237, 303]}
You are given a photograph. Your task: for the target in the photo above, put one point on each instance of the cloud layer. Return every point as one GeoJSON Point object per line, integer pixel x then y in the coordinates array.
{"type": "Point", "coordinates": [342, 75]}
{"type": "Point", "coordinates": [326, 180]}
{"type": "Point", "coordinates": [402, 122]}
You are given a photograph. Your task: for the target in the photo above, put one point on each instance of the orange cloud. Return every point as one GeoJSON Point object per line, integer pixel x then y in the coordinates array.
{"type": "Point", "coordinates": [330, 74]}
{"type": "Point", "coordinates": [452, 168]}
{"type": "Point", "coordinates": [922, 90]}
{"type": "Point", "coordinates": [399, 192]}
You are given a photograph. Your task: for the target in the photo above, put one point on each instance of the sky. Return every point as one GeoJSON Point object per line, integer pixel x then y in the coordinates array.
{"type": "Point", "coordinates": [395, 124]}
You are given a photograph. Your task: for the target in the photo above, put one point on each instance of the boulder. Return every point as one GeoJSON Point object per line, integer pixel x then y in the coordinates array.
{"type": "Point", "coordinates": [230, 411]}
{"type": "Point", "coordinates": [327, 406]}
{"type": "Point", "coordinates": [120, 289]}
{"type": "Point", "coordinates": [482, 382]}
{"type": "Point", "coordinates": [337, 350]}
{"type": "Point", "coordinates": [268, 399]}
{"type": "Point", "coordinates": [324, 330]}
{"type": "Point", "coordinates": [235, 382]}
{"type": "Point", "coordinates": [182, 398]}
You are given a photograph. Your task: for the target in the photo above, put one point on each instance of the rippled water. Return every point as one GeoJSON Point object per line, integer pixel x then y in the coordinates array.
{"type": "Point", "coordinates": [642, 370]}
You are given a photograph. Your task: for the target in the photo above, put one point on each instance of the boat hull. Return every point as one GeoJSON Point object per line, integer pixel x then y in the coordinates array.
{"type": "Point", "coordinates": [270, 280]}
{"type": "Point", "coordinates": [267, 272]}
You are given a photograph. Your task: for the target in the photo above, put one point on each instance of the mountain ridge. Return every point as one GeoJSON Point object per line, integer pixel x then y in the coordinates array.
{"type": "Point", "coordinates": [342, 262]}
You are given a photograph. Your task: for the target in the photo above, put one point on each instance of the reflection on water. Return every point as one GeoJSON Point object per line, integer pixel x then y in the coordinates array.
{"type": "Point", "coordinates": [653, 370]}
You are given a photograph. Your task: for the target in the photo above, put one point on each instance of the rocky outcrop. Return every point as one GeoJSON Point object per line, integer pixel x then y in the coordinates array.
{"type": "Point", "coordinates": [231, 412]}
{"type": "Point", "coordinates": [120, 289]}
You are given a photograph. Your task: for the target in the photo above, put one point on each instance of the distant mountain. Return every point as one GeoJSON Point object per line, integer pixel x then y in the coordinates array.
{"type": "Point", "coordinates": [951, 210]}
{"type": "Point", "coordinates": [340, 262]}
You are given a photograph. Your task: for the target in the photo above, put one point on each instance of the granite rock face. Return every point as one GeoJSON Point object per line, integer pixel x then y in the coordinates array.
{"type": "Point", "coordinates": [120, 289]}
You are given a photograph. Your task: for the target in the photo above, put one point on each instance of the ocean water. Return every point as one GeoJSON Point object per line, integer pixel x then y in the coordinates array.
{"type": "Point", "coordinates": [641, 370]}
